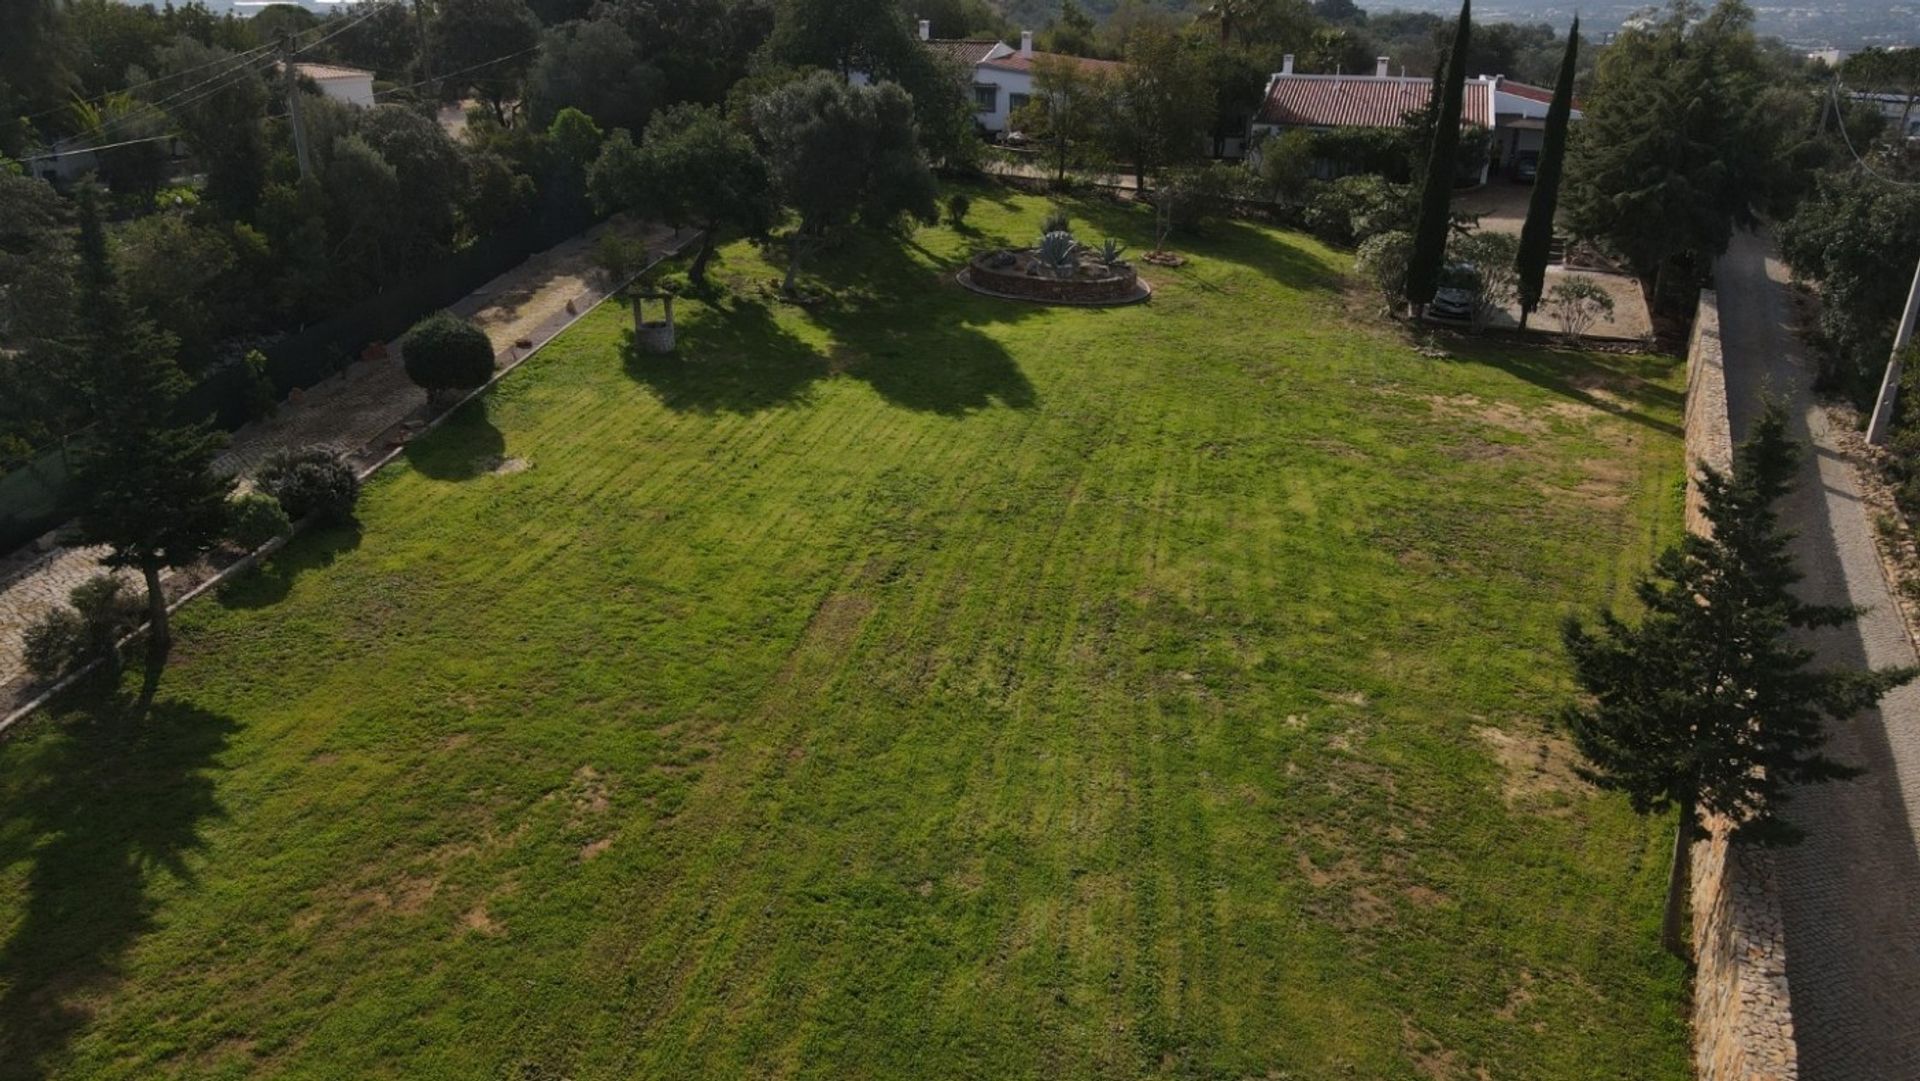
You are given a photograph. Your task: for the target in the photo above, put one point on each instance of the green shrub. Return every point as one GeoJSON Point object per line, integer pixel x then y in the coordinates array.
{"type": "Point", "coordinates": [1056, 221]}
{"type": "Point", "coordinates": [1189, 199]}
{"type": "Point", "coordinates": [254, 519]}
{"type": "Point", "coordinates": [445, 353]}
{"type": "Point", "coordinates": [1577, 304]}
{"type": "Point", "coordinates": [618, 257]}
{"type": "Point", "coordinates": [957, 206]}
{"type": "Point", "coordinates": [1382, 263]}
{"type": "Point", "coordinates": [311, 482]}
{"type": "Point", "coordinates": [262, 397]}
{"type": "Point", "coordinates": [55, 643]}
{"type": "Point", "coordinates": [108, 609]}
{"type": "Point", "coordinates": [1353, 208]}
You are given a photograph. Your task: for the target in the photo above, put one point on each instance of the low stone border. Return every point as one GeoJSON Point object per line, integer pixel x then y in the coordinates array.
{"type": "Point", "coordinates": [1142, 292]}
{"type": "Point", "coordinates": [515, 357]}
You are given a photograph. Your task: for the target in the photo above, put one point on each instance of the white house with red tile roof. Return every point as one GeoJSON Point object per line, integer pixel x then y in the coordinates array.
{"type": "Point", "coordinates": [1514, 114]}
{"type": "Point", "coordinates": [1001, 75]}
{"type": "Point", "coordinates": [1520, 118]}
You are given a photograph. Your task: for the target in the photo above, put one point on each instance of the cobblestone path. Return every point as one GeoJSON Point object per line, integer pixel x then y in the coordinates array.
{"type": "Point", "coordinates": [1850, 894]}
{"type": "Point", "coordinates": [347, 412]}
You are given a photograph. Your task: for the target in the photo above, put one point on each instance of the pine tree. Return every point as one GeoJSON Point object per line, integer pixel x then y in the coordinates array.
{"type": "Point", "coordinates": [1707, 705]}
{"type": "Point", "coordinates": [1436, 195]}
{"type": "Point", "coordinates": [1536, 237]}
{"type": "Point", "coordinates": [148, 489]}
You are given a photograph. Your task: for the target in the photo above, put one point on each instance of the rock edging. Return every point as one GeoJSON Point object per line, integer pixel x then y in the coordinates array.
{"type": "Point", "coordinates": [1742, 1008]}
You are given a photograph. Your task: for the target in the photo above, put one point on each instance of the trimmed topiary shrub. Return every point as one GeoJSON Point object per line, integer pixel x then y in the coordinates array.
{"type": "Point", "coordinates": [55, 643]}
{"type": "Point", "coordinates": [445, 354]}
{"type": "Point", "coordinates": [311, 482]}
{"type": "Point", "coordinates": [254, 519]}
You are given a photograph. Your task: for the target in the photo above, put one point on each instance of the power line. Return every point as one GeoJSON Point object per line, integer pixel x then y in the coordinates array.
{"type": "Point", "coordinates": [372, 10]}
{"type": "Point", "coordinates": [143, 85]}
{"type": "Point", "coordinates": [108, 146]}
{"type": "Point", "coordinates": [239, 61]}
{"type": "Point", "coordinates": [459, 71]}
{"type": "Point", "coordinates": [1847, 138]}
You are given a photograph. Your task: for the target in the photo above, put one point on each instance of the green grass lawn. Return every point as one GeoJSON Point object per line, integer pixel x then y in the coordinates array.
{"type": "Point", "coordinates": [917, 686]}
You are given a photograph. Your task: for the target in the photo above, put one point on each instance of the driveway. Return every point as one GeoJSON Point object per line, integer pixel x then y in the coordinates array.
{"type": "Point", "coordinates": [1500, 204]}
{"type": "Point", "coordinates": [1851, 891]}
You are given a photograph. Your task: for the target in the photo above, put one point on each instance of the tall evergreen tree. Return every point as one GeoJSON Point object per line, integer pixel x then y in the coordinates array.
{"type": "Point", "coordinates": [1436, 194]}
{"type": "Point", "coordinates": [147, 484]}
{"type": "Point", "coordinates": [1707, 705]}
{"type": "Point", "coordinates": [1681, 143]}
{"type": "Point", "coordinates": [1536, 237]}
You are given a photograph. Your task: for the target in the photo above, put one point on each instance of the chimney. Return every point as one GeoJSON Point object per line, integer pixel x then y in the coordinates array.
{"type": "Point", "coordinates": [926, 29]}
{"type": "Point", "coordinates": [1026, 43]}
{"type": "Point", "coordinates": [1286, 64]}
{"type": "Point", "coordinates": [1380, 67]}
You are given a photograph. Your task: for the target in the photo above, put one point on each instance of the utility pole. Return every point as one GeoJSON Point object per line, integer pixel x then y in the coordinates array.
{"type": "Point", "coordinates": [294, 114]}
{"type": "Point", "coordinates": [420, 30]}
{"type": "Point", "coordinates": [1881, 429]}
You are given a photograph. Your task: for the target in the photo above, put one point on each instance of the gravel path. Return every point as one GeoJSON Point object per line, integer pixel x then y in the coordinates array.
{"type": "Point", "coordinates": [1851, 892]}
{"type": "Point", "coordinates": [347, 412]}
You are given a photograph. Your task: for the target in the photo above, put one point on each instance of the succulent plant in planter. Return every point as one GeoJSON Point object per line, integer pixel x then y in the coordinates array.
{"type": "Point", "coordinates": [1110, 252]}
{"type": "Point", "coordinates": [1059, 253]}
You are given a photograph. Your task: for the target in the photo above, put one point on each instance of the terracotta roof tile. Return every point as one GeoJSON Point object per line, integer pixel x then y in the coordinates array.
{"type": "Point", "coordinates": [967, 51]}
{"type": "Point", "coordinates": [1362, 101]}
{"type": "Point", "coordinates": [328, 71]}
{"type": "Point", "coordinates": [1016, 62]}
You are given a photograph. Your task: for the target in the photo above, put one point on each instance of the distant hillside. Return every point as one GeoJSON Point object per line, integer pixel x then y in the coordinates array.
{"type": "Point", "coordinates": [1846, 24]}
{"type": "Point", "coordinates": [1038, 13]}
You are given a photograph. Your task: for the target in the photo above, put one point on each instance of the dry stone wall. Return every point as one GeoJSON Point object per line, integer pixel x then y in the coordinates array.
{"type": "Point", "coordinates": [1742, 1010]}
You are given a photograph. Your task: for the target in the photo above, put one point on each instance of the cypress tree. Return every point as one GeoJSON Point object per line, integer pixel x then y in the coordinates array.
{"type": "Point", "coordinates": [1707, 706]}
{"type": "Point", "coordinates": [1536, 237]}
{"type": "Point", "coordinates": [1436, 195]}
{"type": "Point", "coordinates": [147, 486]}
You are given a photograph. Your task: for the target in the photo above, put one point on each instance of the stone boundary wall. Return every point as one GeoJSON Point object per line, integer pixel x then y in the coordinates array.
{"type": "Point", "coordinates": [1709, 434]}
{"type": "Point", "coordinates": [1742, 1011]}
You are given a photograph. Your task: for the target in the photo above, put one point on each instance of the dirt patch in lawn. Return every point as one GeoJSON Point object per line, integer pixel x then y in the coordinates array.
{"type": "Point", "coordinates": [1503, 415]}
{"type": "Point", "coordinates": [480, 922]}
{"type": "Point", "coordinates": [1537, 767]}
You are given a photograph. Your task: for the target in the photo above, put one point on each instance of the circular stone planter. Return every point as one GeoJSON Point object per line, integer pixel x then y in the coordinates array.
{"type": "Point", "coordinates": [1094, 286]}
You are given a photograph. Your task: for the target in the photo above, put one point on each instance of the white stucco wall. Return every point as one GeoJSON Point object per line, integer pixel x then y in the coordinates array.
{"type": "Point", "coordinates": [1006, 85]}
{"type": "Point", "coordinates": [352, 89]}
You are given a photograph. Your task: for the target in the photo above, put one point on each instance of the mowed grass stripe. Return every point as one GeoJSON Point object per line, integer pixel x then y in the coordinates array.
{"type": "Point", "coordinates": [912, 685]}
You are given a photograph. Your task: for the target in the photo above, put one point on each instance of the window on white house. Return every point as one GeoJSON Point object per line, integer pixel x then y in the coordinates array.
{"type": "Point", "coordinates": [986, 99]}
{"type": "Point", "coordinates": [1017, 102]}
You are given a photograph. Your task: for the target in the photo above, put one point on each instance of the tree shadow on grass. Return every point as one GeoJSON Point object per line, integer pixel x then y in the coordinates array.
{"type": "Point", "coordinates": [733, 358]}
{"type": "Point", "coordinates": [465, 447]}
{"type": "Point", "coordinates": [1263, 250]}
{"type": "Point", "coordinates": [894, 322]}
{"type": "Point", "coordinates": [269, 583]}
{"type": "Point", "coordinates": [1618, 385]}
{"type": "Point", "coordinates": [103, 804]}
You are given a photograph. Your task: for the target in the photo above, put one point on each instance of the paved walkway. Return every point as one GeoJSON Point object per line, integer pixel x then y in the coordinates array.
{"type": "Point", "coordinates": [347, 412]}
{"type": "Point", "coordinates": [1851, 891]}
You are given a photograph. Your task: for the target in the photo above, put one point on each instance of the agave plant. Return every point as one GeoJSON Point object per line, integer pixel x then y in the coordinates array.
{"type": "Point", "coordinates": [1110, 252]}
{"type": "Point", "coordinates": [1059, 253]}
